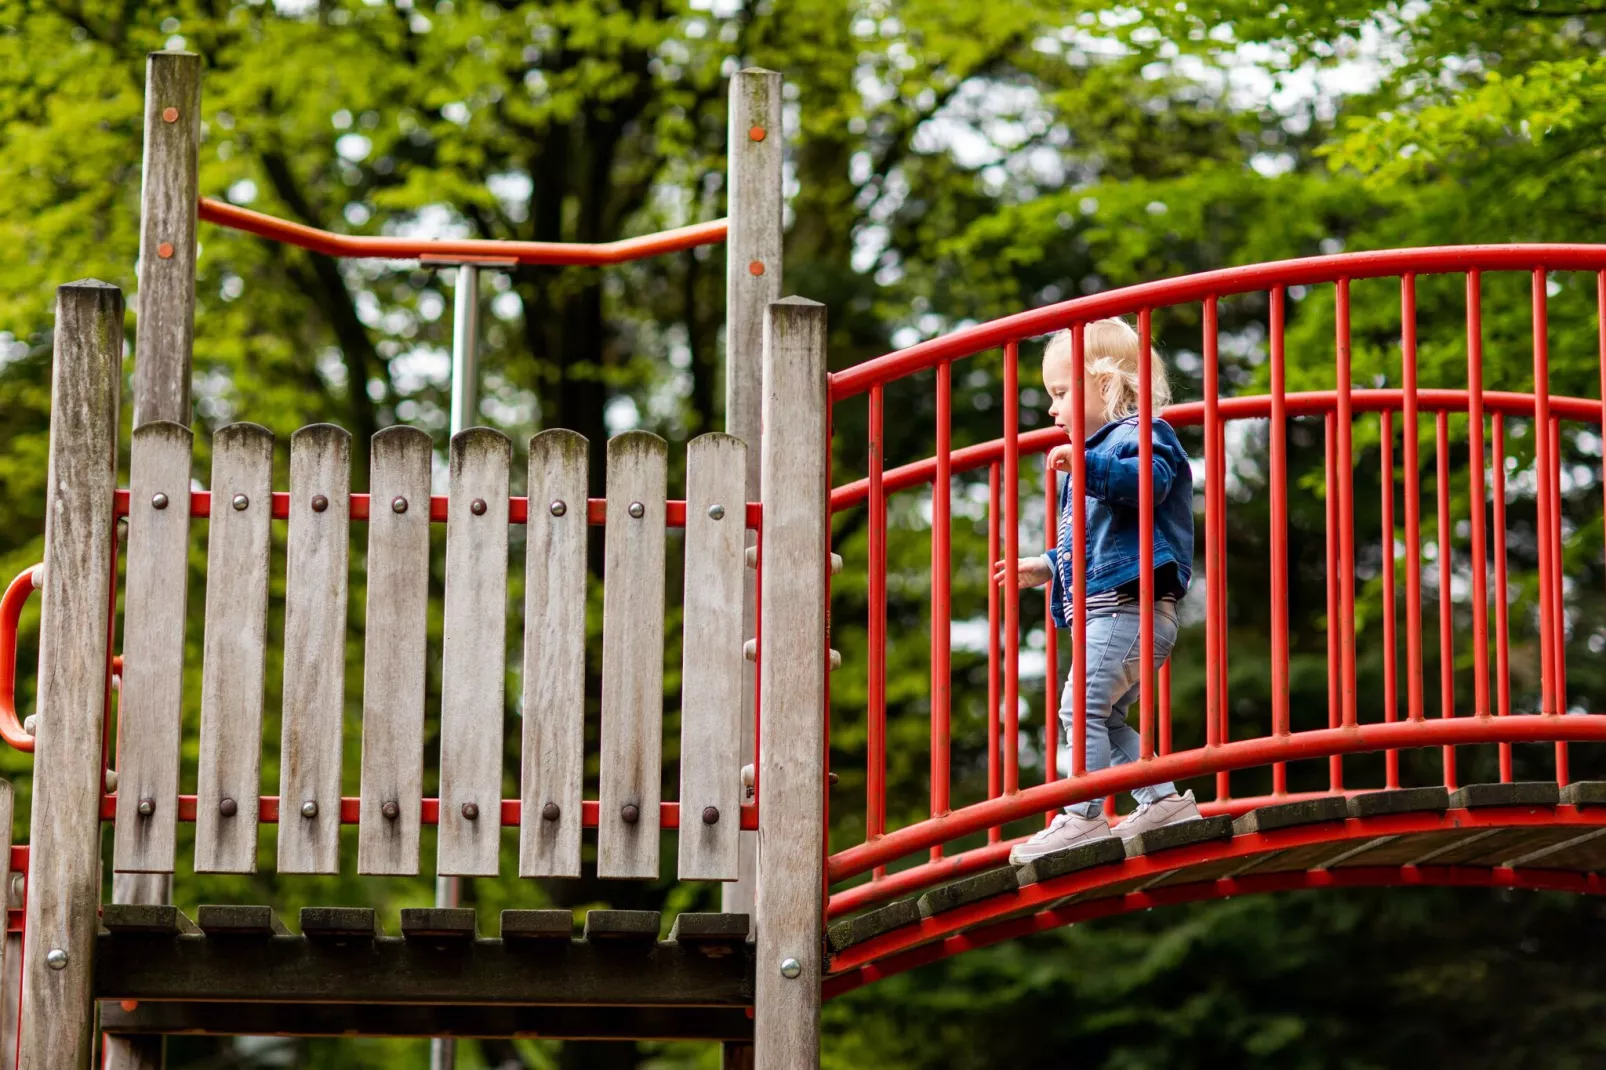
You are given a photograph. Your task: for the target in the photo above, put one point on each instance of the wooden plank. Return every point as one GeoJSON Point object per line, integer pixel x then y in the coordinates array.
{"type": "Point", "coordinates": [234, 650]}
{"type": "Point", "coordinates": [792, 687]}
{"type": "Point", "coordinates": [395, 653]}
{"type": "Point", "coordinates": [80, 534]}
{"type": "Point", "coordinates": [474, 657]}
{"type": "Point", "coordinates": [166, 304]}
{"type": "Point", "coordinates": [625, 925]}
{"type": "Point", "coordinates": [553, 757]}
{"type": "Point", "coordinates": [457, 923]}
{"type": "Point", "coordinates": [754, 206]}
{"type": "Point", "coordinates": [340, 923]}
{"type": "Point", "coordinates": [314, 650]}
{"type": "Point", "coordinates": [152, 701]}
{"type": "Point", "coordinates": [230, 920]}
{"type": "Point", "coordinates": [632, 657]}
{"type": "Point", "coordinates": [712, 663]}
{"type": "Point", "coordinates": [146, 919]}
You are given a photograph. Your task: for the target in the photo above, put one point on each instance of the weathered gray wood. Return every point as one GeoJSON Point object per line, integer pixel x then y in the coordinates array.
{"type": "Point", "coordinates": [340, 923]}
{"type": "Point", "coordinates": [553, 761]}
{"type": "Point", "coordinates": [234, 651]}
{"type": "Point", "coordinates": [80, 533]}
{"type": "Point", "coordinates": [474, 660]}
{"type": "Point", "coordinates": [792, 687]}
{"type": "Point", "coordinates": [230, 920]}
{"type": "Point", "coordinates": [166, 301]}
{"type": "Point", "coordinates": [314, 650]}
{"type": "Point", "coordinates": [7, 811]}
{"type": "Point", "coordinates": [452, 922]}
{"type": "Point", "coordinates": [395, 652]}
{"type": "Point", "coordinates": [635, 925]}
{"type": "Point", "coordinates": [754, 206]}
{"type": "Point", "coordinates": [146, 919]}
{"type": "Point", "coordinates": [140, 892]}
{"type": "Point", "coordinates": [152, 700]}
{"type": "Point", "coordinates": [632, 657]}
{"type": "Point", "coordinates": [543, 925]}
{"type": "Point", "coordinates": [712, 664]}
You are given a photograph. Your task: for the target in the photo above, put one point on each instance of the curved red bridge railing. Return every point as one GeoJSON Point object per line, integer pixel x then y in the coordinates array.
{"type": "Point", "coordinates": [915, 854]}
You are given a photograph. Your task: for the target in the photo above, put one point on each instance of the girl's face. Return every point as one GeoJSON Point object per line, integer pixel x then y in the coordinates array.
{"type": "Point", "coordinates": [1058, 371]}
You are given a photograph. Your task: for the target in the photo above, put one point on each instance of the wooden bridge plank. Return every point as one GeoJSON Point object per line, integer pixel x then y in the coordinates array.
{"type": "Point", "coordinates": [234, 651]}
{"type": "Point", "coordinates": [474, 657]}
{"type": "Point", "coordinates": [712, 662]}
{"type": "Point", "coordinates": [151, 706]}
{"type": "Point", "coordinates": [632, 657]}
{"type": "Point", "coordinates": [314, 650]}
{"type": "Point", "coordinates": [553, 753]}
{"type": "Point", "coordinates": [395, 653]}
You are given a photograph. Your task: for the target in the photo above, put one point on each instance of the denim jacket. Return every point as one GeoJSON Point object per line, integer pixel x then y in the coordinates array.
{"type": "Point", "coordinates": [1112, 514]}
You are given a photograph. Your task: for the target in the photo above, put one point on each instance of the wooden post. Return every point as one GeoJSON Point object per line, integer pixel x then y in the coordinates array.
{"type": "Point", "coordinates": [752, 280]}
{"type": "Point", "coordinates": [64, 878]}
{"type": "Point", "coordinates": [791, 788]}
{"type": "Point", "coordinates": [166, 300]}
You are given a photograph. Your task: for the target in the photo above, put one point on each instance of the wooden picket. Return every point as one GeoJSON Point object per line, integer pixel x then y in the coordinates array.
{"type": "Point", "coordinates": [474, 658]}
{"type": "Point", "coordinates": [314, 650]}
{"type": "Point", "coordinates": [395, 653]}
{"type": "Point", "coordinates": [152, 703]}
{"type": "Point", "coordinates": [234, 650]}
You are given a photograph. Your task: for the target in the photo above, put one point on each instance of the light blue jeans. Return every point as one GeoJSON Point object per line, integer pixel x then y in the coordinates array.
{"type": "Point", "coordinates": [1112, 688]}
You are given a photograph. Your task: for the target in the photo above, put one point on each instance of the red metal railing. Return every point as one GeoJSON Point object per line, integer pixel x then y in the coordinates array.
{"type": "Point", "coordinates": [914, 854]}
{"type": "Point", "coordinates": [460, 250]}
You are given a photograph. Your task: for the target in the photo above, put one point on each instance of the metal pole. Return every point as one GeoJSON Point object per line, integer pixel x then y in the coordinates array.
{"type": "Point", "coordinates": [465, 403]}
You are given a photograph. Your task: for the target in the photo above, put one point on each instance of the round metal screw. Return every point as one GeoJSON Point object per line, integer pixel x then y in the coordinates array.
{"type": "Point", "coordinates": [756, 268]}
{"type": "Point", "coordinates": [477, 507]}
{"type": "Point", "coordinates": [791, 968]}
{"type": "Point", "coordinates": [309, 809]}
{"type": "Point", "coordinates": [390, 810]}
{"type": "Point", "coordinates": [716, 512]}
{"type": "Point", "coordinates": [165, 250]}
{"type": "Point", "coordinates": [557, 508]}
{"type": "Point", "coordinates": [319, 503]}
{"type": "Point", "coordinates": [637, 510]}
{"type": "Point", "coordinates": [398, 505]}
{"type": "Point", "coordinates": [550, 812]}
{"type": "Point", "coordinates": [170, 115]}
{"type": "Point", "coordinates": [710, 815]}
{"type": "Point", "coordinates": [147, 806]}
{"type": "Point", "coordinates": [756, 133]}
{"type": "Point", "coordinates": [228, 807]}
{"type": "Point", "coordinates": [630, 812]}
{"type": "Point", "coordinates": [56, 958]}
{"type": "Point", "coordinates": [241, 502]}
{"type": "Point", "coordinates": [158, 501]}
{"type": "Point", "coordinates": [471, 812]}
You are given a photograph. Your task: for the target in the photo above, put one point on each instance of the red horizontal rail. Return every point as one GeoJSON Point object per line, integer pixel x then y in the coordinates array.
{"type": "Point", "coordinates": [1238, 754]}
{"type": "Point", "coordinates": [461, 250]}
{"type": "Point", "coordinates": [1224, 282]}
{"type": "Point", "coordinates": [1251, 407]}
{"type": "Point", "coordinates": [518, 509]}
{"type": "Point", "coordinates": [430, 811]}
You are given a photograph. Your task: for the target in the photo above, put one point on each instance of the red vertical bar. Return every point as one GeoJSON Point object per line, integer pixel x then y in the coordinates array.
{"type": "Point", "coordinates": [1051, 652]}
{"type": "Point", "coordinates": [1558, 585]}
{"type": "Point", "coordinates": [876, 775]}
{"type": "Point", "coordinates": [941, 596]}
{"type": "Point", "coordinates": [1502, 632]}
{"type": "Point", "coordinates": [1078, 554]}
{"type": "Point", "coordinates": [1413, 504]}
{"type": "Point", "coordinates": [1011, 556]}
{"type": "Point", "coordinates": [1223, 777]}
{"type": "Point", "coordinates": [1346, 514]}
{"type": "Point", "coordinates": [1145, 538]}
{"type": "Point", "coordinates": [1335, 765]}
{"type": "Point", "coordinates": [1391, 667]}
{"type": "Point", "coordinates": [1441, 450]}
{"type": "Point", "coordinates": [1213, 636]}
{"type": "Point", "coordinates": [1165, 706]}
{"type": "Point", "coordinates": [994, 770]}
{"type": "Point", "coordinates": [1475, 462]}
{"type": "Point", "coordinates": [1279, 538]}
{"type": "Point", "coordinates": [1541, 422]}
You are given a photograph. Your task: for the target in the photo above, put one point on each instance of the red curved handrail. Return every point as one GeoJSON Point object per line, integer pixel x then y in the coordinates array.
{"type": "Point", "coordinates": [11, 604]}
{"type": "Point", "coordinates": [466, 250]}
{"type": "Point", "coordinates": [1224, 282]}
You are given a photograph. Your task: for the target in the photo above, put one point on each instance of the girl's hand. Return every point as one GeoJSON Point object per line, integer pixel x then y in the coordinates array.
{"type": "Point", "coordinates": [1029, 572]}
{"type": "Point", "coordinates": [1060, 457]}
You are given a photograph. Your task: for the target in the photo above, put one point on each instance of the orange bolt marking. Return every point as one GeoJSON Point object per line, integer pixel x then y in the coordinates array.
{"type": "Point", "coordinates": [756, 268]}
{"type": "Point", "coordinates": [165, 250]}
{"type": "Point", "coordinates": [757, 133]}
{"type": "Point", "coordinates": [170, 115]}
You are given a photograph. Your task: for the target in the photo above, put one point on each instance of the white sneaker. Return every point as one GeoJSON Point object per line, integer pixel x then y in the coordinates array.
{"type": "Point", "coordinates": [1066, 831]}
{"type": "Point", "coordinates": [1171, 810]}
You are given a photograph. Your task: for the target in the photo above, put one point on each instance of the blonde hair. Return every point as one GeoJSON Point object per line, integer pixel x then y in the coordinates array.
{"type": "Point", "coordinates": [1110, 350]}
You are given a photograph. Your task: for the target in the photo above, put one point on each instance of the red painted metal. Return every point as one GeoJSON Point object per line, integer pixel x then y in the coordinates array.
{"type": "Point", "coordinates": [1542, 462]}
{"type": "Point", "coordinates": [1145, 536]}
{"type": "Point", "coordinates": [450, 250]}
{"type": "Point", "coordinates": [1335, 764]}
{"type": "Point", "coordinates": [1011, 569]}
{"type": "Point", "coordinates": [875, 806]}
{"type": "Point", "coordinates": [1278, 412]}
{"type": "Point", "coordinates": [1078, 553]}
{"type": "Point", "coordinates": [941, 597]}
{"type": "Point", "coordinates": [1345, 419]}
{"type": "Point", "coordinates": [1391, 658]}
{"type": "Point", "coordinates": [1441, 452]}
{"type": "Point", "coordinates": [1214, 636]}
{"type": "Point", "coordinates": [1413, 502]}
{"type": "Point", "coordinates": [1476, 495]}
{"type": "Point", "coordinates": [11, 604]}
{"type": "Point", "coordinates": [1558, 586]}
{"type": "Point", "coordinates": [995, 769]}
{"type": "Point", "coordinates": [1051, 647]}
{"type": "Point", "coordinates": [1502, 649]}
